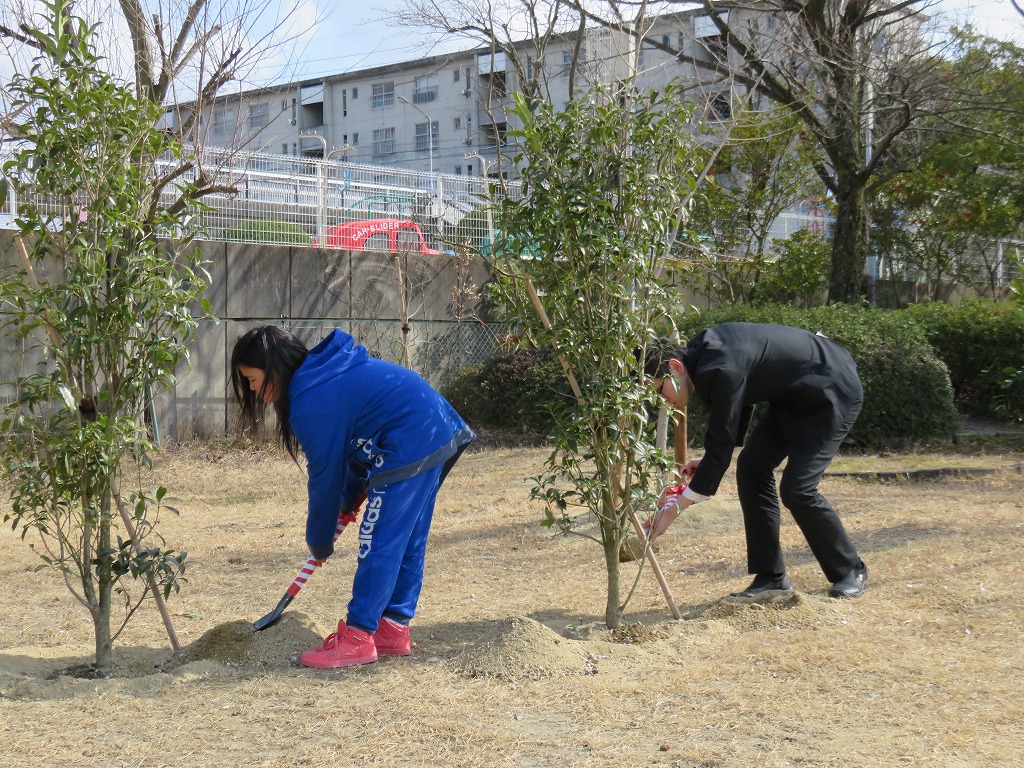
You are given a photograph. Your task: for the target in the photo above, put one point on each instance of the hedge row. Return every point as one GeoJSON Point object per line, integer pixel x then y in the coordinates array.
{"type": "Point", "coordinates": [982, 344]}
{"type": "Point", "coordinates": [910, 361]}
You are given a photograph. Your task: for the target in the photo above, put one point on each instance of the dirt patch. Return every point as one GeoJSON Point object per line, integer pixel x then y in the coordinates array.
{"type": "Point", "coordinates": [522, 649]}
{"type": "Point", "coordinates": [512, 665]}
{"type": "Point", "coordinates": [237, 644]}
{"type": "Point", "coordinates": [792, 609]}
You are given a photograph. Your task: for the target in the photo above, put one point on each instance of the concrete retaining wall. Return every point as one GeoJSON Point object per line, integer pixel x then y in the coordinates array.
{"type": "Point", "coordinates": [309, 291]}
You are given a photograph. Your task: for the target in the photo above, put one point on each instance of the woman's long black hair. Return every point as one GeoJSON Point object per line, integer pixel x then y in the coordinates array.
{"type": "Point", "coordinates": [278, 354]}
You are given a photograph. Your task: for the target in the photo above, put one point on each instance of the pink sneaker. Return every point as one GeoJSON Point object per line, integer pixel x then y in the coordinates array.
{"type": "Point", "coordinates": [392, 638]}
{"type": "Point", "coordinates": [345, 648]}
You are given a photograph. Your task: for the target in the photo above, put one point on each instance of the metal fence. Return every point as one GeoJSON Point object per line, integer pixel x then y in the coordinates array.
{"type": "Point", "coordinates": [270, 198]}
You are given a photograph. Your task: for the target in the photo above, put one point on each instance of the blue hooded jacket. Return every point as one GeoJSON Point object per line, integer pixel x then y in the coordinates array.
{"type": "Point", "coordinates": [363, 423]}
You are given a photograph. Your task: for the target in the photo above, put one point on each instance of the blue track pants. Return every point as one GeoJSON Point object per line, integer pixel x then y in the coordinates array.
{"type": "Point", "coordinates": [392, 547]}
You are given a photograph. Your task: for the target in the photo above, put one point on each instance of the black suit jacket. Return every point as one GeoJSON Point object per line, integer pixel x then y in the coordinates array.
{"type": "Point", "coordinates": [809, 382]}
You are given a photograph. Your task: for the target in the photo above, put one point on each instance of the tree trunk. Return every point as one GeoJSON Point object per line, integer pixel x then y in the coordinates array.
{"type": "Point", "coordinates": [101, 604]}
{"type": "Point", "coordinates": [101, 628]}
{"type": "Point", "coordinates": [613, 607]}
{"type": "Point", "coordinates": [850, 240]}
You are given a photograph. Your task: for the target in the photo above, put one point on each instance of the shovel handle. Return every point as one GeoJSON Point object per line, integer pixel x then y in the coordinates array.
{"type": "Point", "coordinates": [307, 570]}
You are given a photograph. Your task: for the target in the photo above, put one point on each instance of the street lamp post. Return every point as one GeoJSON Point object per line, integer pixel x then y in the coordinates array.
{"type": "Point", "coordinates": [485, 166]}
{"type": "Point", "coordinates": [430, 132]}
{"type": "Point", "coordinates": [436, 205]}
{"type": "Point", "coordinates": [321, 224]}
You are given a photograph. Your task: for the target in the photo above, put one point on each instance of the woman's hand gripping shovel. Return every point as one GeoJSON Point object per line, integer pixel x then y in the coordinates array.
{"type": "Point", "coordinates": [307, 570]}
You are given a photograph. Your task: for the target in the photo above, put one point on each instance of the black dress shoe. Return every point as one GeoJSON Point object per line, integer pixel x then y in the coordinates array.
{"type": "Point", "coordinates": [765, 585]}
{"type": "Point", "coordinates": [851, 585]}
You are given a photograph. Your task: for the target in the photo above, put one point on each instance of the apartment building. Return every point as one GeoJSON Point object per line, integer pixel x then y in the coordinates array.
{"type": "Point", "coordinates": [446, 113]}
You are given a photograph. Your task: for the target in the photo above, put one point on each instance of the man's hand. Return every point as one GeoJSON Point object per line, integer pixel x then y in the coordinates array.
{"type": "Point", "coordinates": [690, 467]}
{"type": "Point", "coordinates": [663, 518]}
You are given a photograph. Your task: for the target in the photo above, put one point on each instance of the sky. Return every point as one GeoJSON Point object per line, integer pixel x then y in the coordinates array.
{"type": "Point", "coordinates": [337, 36]}
{"type": "Point", "coordinates": [356, 36]}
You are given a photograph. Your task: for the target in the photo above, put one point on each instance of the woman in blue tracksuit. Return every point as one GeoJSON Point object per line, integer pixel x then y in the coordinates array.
{"type": "Point", "coordinates": [365, 426]}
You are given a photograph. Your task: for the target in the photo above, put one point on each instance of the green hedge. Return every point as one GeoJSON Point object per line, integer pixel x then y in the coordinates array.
{"type": "Point", "coordinates": [268, 231]}
{"type": "Point", "coordinates": [982, 344]}
{"type": "Point", "coordinates": [518, 393]}
{"type": "Point", "coordinates": [908, 398]}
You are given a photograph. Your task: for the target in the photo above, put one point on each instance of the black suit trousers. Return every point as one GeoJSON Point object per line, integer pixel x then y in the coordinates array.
{"type": "Point", "coordinates": [800, 437]}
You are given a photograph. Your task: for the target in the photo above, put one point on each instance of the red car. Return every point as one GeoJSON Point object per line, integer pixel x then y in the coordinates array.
{"type": "Point", "coordinates": [378, 235]}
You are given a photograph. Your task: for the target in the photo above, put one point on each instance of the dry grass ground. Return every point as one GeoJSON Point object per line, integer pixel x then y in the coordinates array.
{"type": "Point", "coordinates": [511, 665]}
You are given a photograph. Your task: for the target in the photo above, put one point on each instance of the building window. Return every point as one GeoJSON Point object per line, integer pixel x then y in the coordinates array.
{"type": "Point", "coordinates": [581, 62]}
{"type": "Point", "coordinates": [719, 108]}
{"type": "Point", "coordinates": [284, 148]}
{"type": "Point", "coordinates": [493, 135]}
{"type": "Point", "coordinates": [223, 122]}
{"type": "Point", "coordinates": [259, 116]}
{"type": "Point", "coordinates": [424, 89]}
{"type": "Point", "coordinates": [715, 49]}
{"type": "Point", "coordinates": [458, 170]}
{"type": "Point", "coordinates": [384, 142]}
{"type": "Point", "coordinates": [457, 123]}
{"type": "Point", "coordinates": [456, 75]}
{"type": "Point", "coordinates": [355, 139]}
{"type": "Point", "coordinates": [383, 95]}
{"type": "Point", "coordinates": [355, 93]}
{"type": "Point", "coordinates": [424, 142]}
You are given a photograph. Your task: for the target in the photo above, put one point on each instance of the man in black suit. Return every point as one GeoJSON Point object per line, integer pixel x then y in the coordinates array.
{"type": "Point", "coordinates": [813, 394]}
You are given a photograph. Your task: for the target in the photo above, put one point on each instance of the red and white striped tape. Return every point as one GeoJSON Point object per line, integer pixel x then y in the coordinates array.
{"type": "Point", "coordinates": [311, 565]}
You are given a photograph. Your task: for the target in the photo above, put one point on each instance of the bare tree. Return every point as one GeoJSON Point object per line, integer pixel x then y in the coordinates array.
{"type": "Point", "coordinates": [858, 74]}
{"type": "Point", "coordinates": [178, 53]}
{"type": "Point", "coordinates": [520, 30]}
{"type": "Point", "coordinates": [542, 45]}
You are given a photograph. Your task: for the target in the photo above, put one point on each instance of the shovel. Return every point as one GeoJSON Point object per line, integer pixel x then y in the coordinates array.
{"type": "Point", "coordinates": [307, 570]}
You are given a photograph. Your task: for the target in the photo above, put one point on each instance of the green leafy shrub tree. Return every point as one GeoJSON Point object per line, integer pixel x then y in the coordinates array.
{"type": "Point", "coordinates": [1014, 381]}
{"type": "Point", "coordinates": [606, 184]}
{"type": "Point", "coordinates": [798, 273]}
{"type": "Point", "coordinates": [940, 223]}
{"type": "Point", "coordinates": [763, 168]}
{"type": "Point", "coordinates": [520, 393]}
{"type": "Point", "coordinates": [108, 309]}
{"type": "Point", "coordinates": [982, 343]}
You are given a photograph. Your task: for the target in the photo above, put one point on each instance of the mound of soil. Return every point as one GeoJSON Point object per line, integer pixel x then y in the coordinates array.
{"type": "Point", "coordinates": [237, 644]}
{"type": "Point", "coordinates": [795, 609]}
{"type": "Point", "coordinates": [522, 649]}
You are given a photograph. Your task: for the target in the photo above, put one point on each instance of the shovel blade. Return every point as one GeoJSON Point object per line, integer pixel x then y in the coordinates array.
{"type": "Point", "coordinates": [271, 618]}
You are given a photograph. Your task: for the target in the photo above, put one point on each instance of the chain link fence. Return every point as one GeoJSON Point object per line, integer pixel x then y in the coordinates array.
{"type": "Point", "coordinates": [435, 349]}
